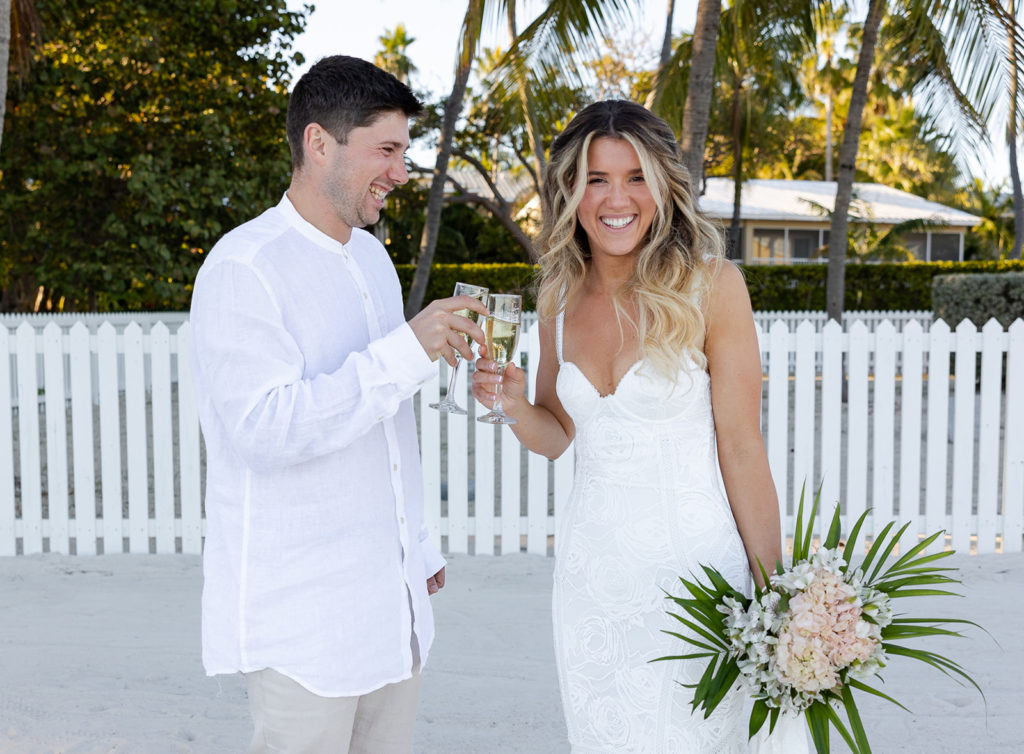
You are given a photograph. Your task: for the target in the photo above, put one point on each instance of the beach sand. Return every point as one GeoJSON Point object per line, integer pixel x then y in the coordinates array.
{"type": "Point", "coordinates": [102, 654]}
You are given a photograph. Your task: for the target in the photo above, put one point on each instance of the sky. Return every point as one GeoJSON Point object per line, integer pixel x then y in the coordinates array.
{"type": "Point", "coordinates": [353, 27]}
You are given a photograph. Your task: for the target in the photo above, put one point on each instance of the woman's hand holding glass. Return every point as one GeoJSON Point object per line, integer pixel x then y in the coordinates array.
{"type": "Point", "coordinates": [487, 378]}
{"type": "Point", "coordinates": [504, 319]}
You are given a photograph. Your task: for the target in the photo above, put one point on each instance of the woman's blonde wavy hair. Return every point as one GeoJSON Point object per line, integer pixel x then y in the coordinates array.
{"type": "Point", "coordinates": [671, 277]}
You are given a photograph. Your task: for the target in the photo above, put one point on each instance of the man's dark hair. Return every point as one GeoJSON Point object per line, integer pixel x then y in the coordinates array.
{"type": "Point", "coordinates": [341, 93]}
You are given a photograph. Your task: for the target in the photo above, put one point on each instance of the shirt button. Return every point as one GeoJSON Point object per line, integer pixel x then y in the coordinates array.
{"type": "Point", "coordinates": [395, 466]}
{"type": "Point", "coordinates": [402, 520]}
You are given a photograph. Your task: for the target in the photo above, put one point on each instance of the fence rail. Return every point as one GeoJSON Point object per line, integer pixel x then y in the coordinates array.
{"type": "Point", "coordinates": [930, 430]}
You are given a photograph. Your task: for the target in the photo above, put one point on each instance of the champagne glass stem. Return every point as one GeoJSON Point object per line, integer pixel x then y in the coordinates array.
{"type": "Point", "coordinates": [497, 408]}
{"type": "Point", "coordinates": [450, 395]}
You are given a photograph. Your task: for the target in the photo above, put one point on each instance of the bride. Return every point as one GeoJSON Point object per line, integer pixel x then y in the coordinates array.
{"type": "Point", "coordinates": [649, 361]}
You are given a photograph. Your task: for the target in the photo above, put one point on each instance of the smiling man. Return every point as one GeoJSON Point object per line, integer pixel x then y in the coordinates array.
{"type": "Point", "coordinates": [317, 563]}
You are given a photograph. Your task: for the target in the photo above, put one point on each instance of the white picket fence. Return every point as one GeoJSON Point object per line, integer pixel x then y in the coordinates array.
{"type": "Point", "coordinates": [940, 449]}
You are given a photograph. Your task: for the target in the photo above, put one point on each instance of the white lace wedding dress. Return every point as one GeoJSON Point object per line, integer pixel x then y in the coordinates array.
{"type": "Point", "coordinates": [647, 506]}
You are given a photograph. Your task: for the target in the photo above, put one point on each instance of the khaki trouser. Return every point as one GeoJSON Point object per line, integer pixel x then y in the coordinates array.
{"type": "Point", "coordinates": [290, 719]}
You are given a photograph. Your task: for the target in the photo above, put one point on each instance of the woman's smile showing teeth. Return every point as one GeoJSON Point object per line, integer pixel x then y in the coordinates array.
{"type": "Point", "coordinates": [618, 222]}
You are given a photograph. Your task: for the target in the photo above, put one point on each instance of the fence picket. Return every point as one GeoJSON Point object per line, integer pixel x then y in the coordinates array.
{"type": "Point", "coordinates": [8, 544]}
{"type": "Point", "coordinates": [937, 441]}
{"type": "Point", "coordinates": [483, 487]}
{"type": "Point", "coordinates": [803, 413]}
{"type": "Point", "coordinates": [536, 465]}
{"type": "Point", "coordinates": [163, 438]}
{"type": "Point", "coordinates": [857, 428]}
{"type": "Point", "coordinates": [911, 384]}
{"type": "Point", "coordinates": [511, 510]}
{"type": "Point", "coordinates": [988, 434]}
{"type": "Point", "coordinates": [56, 440]}
{"type": "Point", "coordinates": [963, 435]}
{"type": "Point", "coordinates": [135, 426]}
{"type": "Point", "coordinates": [883, 415]}
{"type": "Point", "coordinates": [110, 439]}
{"type": "Point", "coordinates": [831, 476]}
{"type": "Point", "coordinates": [458, 480]}
{"type": "Point", "coordinates": [190, 487]}
{"type": "Point", "coordinates": [1013, 443]}
{"type": "Point", "coordinates": [430, 455]}
{"type": "Point", "coordinates": [778, 417]}
{"type": "Point", "coordinates": [83, 459]}
{"type": "Point", "coordinates": [28, 442]}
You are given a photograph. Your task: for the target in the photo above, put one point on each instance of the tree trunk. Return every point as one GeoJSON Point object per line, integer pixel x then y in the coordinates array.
{"type": "Point", "coordinates": [701, 85]}
{"type": "Point", "coordinates": [737, 173]}
{"type": "Point", "coordinates": [654, 97]}
{"type": "Point", "coordinates": [5, 53]}
{"type": "Point", "coordinates": [838, 240]}
{"type": "Point", "coordinates": [829, 105]}
{"type": "Point", "coordinates": [1011, 138]}
{"type": "Point", "coordinates": [435, 200]}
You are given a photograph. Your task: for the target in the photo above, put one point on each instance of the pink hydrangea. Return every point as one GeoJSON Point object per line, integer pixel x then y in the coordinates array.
{"type": "Point", "coordinates": [823, 634]}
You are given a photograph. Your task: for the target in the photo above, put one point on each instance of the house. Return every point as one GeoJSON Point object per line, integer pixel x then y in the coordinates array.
{"type": "Point", "coordinates": [787, 222]}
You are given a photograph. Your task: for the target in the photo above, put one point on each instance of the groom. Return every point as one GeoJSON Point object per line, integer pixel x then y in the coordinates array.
{"type": "Point", "coordinates": [317, 563]}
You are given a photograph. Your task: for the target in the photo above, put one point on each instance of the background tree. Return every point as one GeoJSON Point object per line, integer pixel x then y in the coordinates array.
{"type": "Point", "coordinates": [394, 53]}
{"type": "Point", "coordinates": [952, 66]}
{"type": "Point", "coordinates": [138, 139]}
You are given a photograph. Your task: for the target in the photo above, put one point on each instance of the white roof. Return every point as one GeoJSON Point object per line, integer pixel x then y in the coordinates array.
{"type": "Point", "coordinates": [510, 186]}
{"type": "Point", "coordinates": [766, 199]}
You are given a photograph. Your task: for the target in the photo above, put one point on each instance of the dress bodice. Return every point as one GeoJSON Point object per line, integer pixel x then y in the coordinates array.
{"type": "Point", "coordinates": [647, 422]}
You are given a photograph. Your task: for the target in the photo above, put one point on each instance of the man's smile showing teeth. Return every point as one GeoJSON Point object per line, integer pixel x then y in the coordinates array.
{"type": "Point", "coordinates": [618, 222]}
{"type": "Point", "coordinates": [378, 194]}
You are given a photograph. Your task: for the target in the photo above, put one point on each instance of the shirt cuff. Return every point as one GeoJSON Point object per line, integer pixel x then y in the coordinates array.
{"type": "Point", "coordinates": [433, 561]}
{"type": "Point", "coordinates": [406, 361]}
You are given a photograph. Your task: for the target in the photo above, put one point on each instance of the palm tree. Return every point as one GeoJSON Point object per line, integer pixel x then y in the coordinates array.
{"type": "Point", "coordinates": [700, 88]}
{"type": "Point", "coordinates": [394, 53]}
{"type": "Point", "coordinates": [949, 44]}
{"type": "Point", "coordinates": [548, 43]}
{"type": "Point", "coordinates": [1011, 133]}
{"type": "Point", "coordinates": [755, 54]}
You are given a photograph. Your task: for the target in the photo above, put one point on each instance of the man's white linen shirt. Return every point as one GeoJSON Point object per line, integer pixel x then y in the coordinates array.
{"type": "Point", "coordinates": [304, 370]}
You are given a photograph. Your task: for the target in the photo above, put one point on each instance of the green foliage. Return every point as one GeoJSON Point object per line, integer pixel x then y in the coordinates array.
{"type": "Point", "coordinates": [499, 278]}
{"type": "Point", "coordinates": [143, 134]}
{"type": "Point", "coordinates": [467, 235]}
{"type": "Point", "coordinates": [978, 297]}
{"type": "Point", "coordinates": [891, 286]}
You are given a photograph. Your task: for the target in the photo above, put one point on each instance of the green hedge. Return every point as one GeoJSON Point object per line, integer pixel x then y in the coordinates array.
{"type": "Point", "coordinates": [979, 297]}
{"type": "Point", "coordinates": [801, 287]}
{"type": "Point", "coordinates": [887, 286]}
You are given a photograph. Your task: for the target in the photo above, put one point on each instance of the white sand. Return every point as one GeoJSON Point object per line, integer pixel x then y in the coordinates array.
{"type": "Point", "coordinates": [102, 655]}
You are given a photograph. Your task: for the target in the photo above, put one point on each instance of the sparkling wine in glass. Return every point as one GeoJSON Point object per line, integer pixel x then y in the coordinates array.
{"type": "Point", "coordinates": [448, 403]}
{"type": "Point", "coordinates": [502, 331]}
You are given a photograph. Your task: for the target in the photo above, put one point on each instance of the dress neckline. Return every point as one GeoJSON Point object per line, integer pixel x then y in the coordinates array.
{"type": "Point", "coordinates": [636, 364]}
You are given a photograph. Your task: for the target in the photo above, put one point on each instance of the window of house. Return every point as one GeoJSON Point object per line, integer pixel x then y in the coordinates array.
{"type": "Point", "coordinates": [945, 247]}
{"type": "Point", "coordinates": [803, 245]}
{"type": "Point", "coordinates": [769, 246]}
{"type": "Point", "coordinates": [916, 244]}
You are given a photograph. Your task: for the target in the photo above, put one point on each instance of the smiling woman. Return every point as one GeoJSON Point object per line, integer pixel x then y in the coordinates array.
{"type": "Point", "coordinates": [649, 361]}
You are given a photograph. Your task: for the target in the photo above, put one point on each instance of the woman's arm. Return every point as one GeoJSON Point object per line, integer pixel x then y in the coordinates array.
{"type": "Point", "coordinates": [543, 426]}
{"type": "Point", "coordinates": [734, 363]}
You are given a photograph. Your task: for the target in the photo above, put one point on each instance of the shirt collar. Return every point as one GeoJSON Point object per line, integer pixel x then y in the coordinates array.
{"type": "Point", "coordinates": [307, 228]}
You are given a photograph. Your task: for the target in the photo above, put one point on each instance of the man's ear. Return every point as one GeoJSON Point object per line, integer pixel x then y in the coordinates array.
{"type": "Point", "coordinates": [316, 142]}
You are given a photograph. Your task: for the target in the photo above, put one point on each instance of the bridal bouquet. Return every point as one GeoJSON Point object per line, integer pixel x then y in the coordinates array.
{"type": "Point", "coordinates": [819, 630]}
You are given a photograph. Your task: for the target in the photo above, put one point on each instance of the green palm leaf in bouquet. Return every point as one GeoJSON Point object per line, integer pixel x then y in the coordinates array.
{"type": "Point", "coordinates": [817, 631]}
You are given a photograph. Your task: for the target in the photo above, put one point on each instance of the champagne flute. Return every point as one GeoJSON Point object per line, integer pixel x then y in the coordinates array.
{"type": "Point", "coordinates": [502, 331]}
{"type": "Point", "coordinates": [448, 403]}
